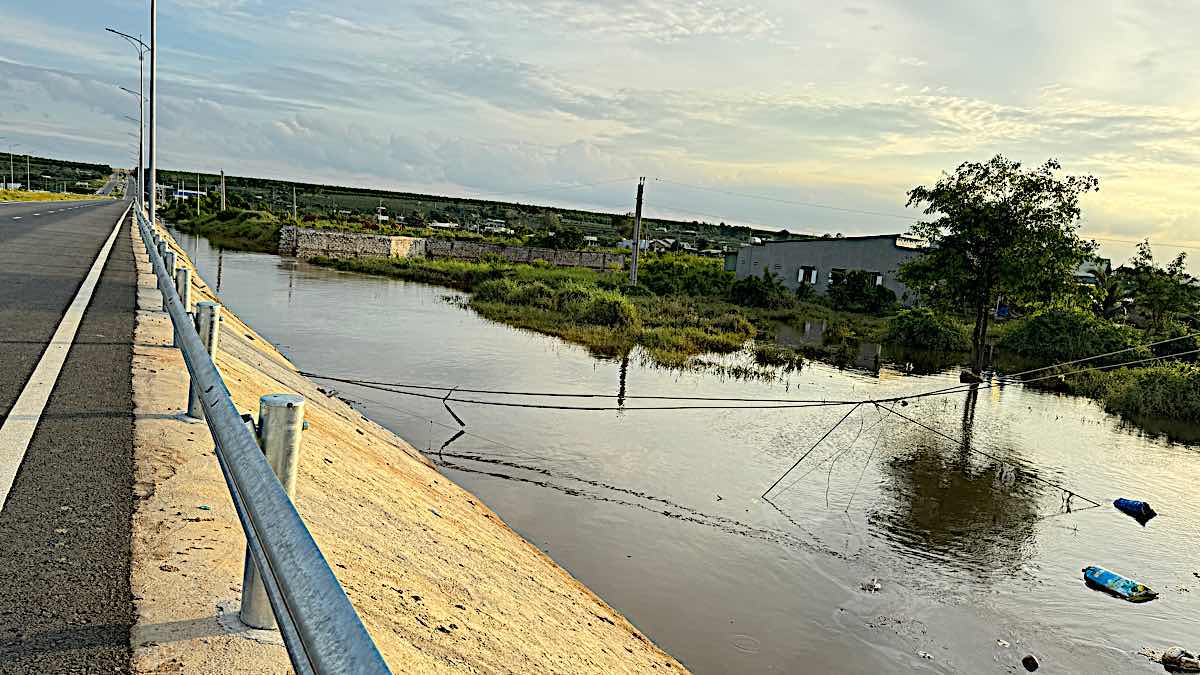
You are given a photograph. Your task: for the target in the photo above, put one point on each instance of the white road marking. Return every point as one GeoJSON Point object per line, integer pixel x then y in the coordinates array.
{"type": "Point", "coordinates": [25, 414]}
{"type": "Point", "coordinates": [16, 217]}
{"type": "Point", "coordinates": [37, 214]}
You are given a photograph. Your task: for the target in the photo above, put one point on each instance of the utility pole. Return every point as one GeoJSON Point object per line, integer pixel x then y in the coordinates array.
{"type": "Point", "coordinates": [293, 202]}
{"type": "Point", "coordinates": [153, 112]}
{"type": "Point", "coordinates": [197, 195]}
{"type": "Point", "coordinates": [28, 185]}
{"type": "Point", "coordinates": [637, 233]}
{"type": "Point", "coordinates": [222, 189]}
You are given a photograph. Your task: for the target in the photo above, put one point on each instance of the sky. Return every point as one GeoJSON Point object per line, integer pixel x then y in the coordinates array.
{"type": "Point", "coordinates": [745, 112]}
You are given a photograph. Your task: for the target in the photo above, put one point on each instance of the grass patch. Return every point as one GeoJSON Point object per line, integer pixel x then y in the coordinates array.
{"type": "Point", "coordinates": [1164, 390]}
{"type": "Point", "coordinates": [235, 229]}
{"type": "Point", "coordinates": [32, 196]}
{"type": "Point", "coordinates": [1059, 335]}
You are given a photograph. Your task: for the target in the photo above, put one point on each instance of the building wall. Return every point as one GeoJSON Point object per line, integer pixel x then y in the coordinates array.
{"type": "Point", "coordinates": [786, 259]}
{"type": "Point", "coordinates": [304, 242]}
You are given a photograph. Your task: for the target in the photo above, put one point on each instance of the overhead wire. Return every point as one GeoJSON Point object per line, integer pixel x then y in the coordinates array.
{"type": "Point", "coordinates": [994, 458]}
{"type": "Point", "coordinates": [785, 403]}
{"type": "Point", "coordinates": [780, 200]}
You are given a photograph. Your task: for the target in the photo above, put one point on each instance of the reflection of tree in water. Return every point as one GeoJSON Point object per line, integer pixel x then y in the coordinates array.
{"type": "Point", "coordinates": [957, 505]}
{"type": "Point", "coordinates": [920, 361]}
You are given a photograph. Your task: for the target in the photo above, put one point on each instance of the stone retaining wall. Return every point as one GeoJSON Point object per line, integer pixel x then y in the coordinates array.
{"type": "Point", "coordinates": [304, 242]}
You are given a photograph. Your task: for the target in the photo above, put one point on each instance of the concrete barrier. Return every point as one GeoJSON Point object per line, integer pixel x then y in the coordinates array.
{"type": "Point", "coordinates": [303, 242]}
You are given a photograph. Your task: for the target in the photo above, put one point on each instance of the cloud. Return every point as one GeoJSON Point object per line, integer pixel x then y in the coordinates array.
{"type": "Point", "coordinates": [661, 21]}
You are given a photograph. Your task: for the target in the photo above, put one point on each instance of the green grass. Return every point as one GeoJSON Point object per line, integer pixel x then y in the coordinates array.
{"type": "Point", "coordinates": [234, 229]}
{"type": "Point", "coordinates": [1163, 391]}
{"type": "Point", "coordinates": [578, 305]}
{"type": "Point", "coordinates": [32, 196]}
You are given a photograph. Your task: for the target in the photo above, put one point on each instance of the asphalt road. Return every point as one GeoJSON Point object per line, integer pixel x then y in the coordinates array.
{"type": "Point", "coordinates": [107, 188]}
{"type": "Point", "coordinates": [65, 602]}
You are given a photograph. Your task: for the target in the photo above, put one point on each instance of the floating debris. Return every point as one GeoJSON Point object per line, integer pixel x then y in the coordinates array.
{"type": "Point", "coordinates": [1115, 584]}
{"type": "Point", "coordinates": [1136, 509]}
{"type": "Point", "coordinates": [872, 586]}
{"type": "Point", "coordinates": [1001, 643]}
{"type": "Point", "coordinates": [1030, 662]}
{"type": "Point", "coordinates": [925, 655]}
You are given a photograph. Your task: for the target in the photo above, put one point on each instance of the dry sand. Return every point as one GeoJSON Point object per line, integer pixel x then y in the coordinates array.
{"type": "Point", "coordinates": [440, 581]}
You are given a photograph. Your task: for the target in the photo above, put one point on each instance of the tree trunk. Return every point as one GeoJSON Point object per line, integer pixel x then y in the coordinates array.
{"type": "Point", "coordinates": [979, 337]}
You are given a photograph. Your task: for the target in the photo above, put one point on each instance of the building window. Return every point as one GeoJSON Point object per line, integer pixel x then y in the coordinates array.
{"type": "Point", "coordinates": [836, 275]}
{"type": "Point", "coordinates": [808, 275]}
{"type": "Point", "coordinates": [878, 279]}
{"type": "Point", "coordinates": [778, 266]}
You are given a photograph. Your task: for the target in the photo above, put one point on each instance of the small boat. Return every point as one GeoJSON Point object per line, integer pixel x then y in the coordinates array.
{"type": "Point", "coordinates": [1115, 584]}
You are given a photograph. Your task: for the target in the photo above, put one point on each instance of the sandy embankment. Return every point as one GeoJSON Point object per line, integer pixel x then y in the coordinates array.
{"type": "Point", "coordinates": [440, 581]}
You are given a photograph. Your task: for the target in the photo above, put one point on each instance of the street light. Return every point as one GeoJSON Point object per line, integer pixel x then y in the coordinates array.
{"type": "Point", "coordinates": [12, 177]}
{"type": "Point", "coordinates": [142, 48]}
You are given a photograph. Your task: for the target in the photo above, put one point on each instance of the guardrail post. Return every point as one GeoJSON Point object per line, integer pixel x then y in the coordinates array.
{"type": "Point", "coordinates": [280, 422]}
{"type": "Point", "coordinates": [183, 286]}
{"type": "Point", "coordinates": [169, 263]}
{"type": "Point", "coordinates": [208, 325]}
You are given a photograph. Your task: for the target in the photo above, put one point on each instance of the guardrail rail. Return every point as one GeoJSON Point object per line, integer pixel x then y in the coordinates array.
{"type": "Point", "coordinates": [322, 632]}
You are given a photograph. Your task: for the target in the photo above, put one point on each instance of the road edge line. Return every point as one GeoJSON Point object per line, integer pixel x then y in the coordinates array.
{"type": "Point", "coordinates": [22, 420]}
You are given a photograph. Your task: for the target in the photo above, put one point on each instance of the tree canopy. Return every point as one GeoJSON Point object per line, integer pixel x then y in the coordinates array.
{"type": "Point", "coordinates": [998, 230]}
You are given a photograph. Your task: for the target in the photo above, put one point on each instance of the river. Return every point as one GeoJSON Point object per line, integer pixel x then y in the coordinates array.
{"type": "Point", "coordinates": [659, 512]}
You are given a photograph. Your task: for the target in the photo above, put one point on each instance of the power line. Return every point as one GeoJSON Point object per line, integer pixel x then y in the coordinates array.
{"type": "Point", "coordinates": [545, 406]}
{"type": "Point", "coordinates": [792, 202]}
{"type": "Point", "coordinates": [553, 188]}
{"type": "Point", "coordinates": [1171, 244]}
{"type": "Point", "coordinates": [503, 392]}
{"type": "Point", "coordinates": [990, 456]}
{"type": "Point", "coordinates": [395, 387]}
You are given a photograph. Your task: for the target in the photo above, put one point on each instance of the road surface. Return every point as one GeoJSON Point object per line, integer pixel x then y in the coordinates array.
{"type": "Point", "coordinates": [65, 602]}
{"type": "Point", "coordinates": [107, 188]}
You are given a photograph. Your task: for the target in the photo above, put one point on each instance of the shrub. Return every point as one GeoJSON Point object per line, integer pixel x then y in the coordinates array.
{"type": "Point", "coordinates": [682, 274]}
{"type": "Point", "coordinates": [609, 308]}
{"type": "Point", "coordinates": [1165, 390]}
{"type": "Point", "coordinates": [856, 291]}
{"type": "Point", "coordinates": [921, 327]}
{"type": "Point", "coordinates": [765, 292]}
{"type": "Point", "coordinates": [533, 294]}
{"type": "Point", "coordinates": [572, 295]}
{"type": "Point", "coordinates": [770, 354]}
{"type": "Point", "coordinates": [495, 290]}
{"type": "Point", "coordinates": [1067, 334]}
{"type": "Point", "coordinates": [734, 323]}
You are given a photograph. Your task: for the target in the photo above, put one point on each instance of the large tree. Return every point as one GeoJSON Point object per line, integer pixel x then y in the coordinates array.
{"type": "Point", "coordinates": [1161, 294]}
{"type": "Point", "coordinates": [997, 230]}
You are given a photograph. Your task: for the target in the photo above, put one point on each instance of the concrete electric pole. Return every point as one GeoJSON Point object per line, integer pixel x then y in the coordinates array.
{"type": "Point", "coordinates": [153, 112]}
{"type": "Point", "coordinates": [222, 189]}
{"type": "Point", "coordinates": [293, 202]}
{"type": "Point", "coordinates": [637, 233]}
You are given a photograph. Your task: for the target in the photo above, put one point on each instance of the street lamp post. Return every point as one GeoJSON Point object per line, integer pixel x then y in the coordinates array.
{"type": "Point", "coordinates": [12, 176]}
{"type": "Point", "coordinates": [141, 50]}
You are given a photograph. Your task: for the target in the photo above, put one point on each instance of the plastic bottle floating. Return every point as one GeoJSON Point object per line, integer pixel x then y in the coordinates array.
{"type": "Point", "coordinates": [1138, 510]}
{"type": "Point", "coordinates": [1111, 582]}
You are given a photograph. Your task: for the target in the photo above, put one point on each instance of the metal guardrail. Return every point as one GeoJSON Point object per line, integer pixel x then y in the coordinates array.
{"type": "Point", "coordinates": [322, 632]}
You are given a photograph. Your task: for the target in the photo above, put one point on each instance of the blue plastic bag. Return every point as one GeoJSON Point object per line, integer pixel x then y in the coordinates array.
{"type": "Point", "coordinates": [1138, 510]}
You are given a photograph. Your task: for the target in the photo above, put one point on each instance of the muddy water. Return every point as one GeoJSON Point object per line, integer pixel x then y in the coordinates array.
{"type": "Point", "coordinates": [659, 511]}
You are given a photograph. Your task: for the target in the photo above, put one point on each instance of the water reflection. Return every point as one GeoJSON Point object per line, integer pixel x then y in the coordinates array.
{"type": "Point", "coordinates": [957, 506]}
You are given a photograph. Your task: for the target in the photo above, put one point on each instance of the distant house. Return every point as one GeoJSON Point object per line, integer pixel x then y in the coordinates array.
{"type": "Point", "coordinates": [1087, 270]}
{"type": "Point", "coordinates": [817, 262]}
{"type": "Point", "coordinates": [442, 226]}
{"type": "Point", "coordinates": [656, 245]}
{"type": "Point", "coordinates": [497, 229]}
